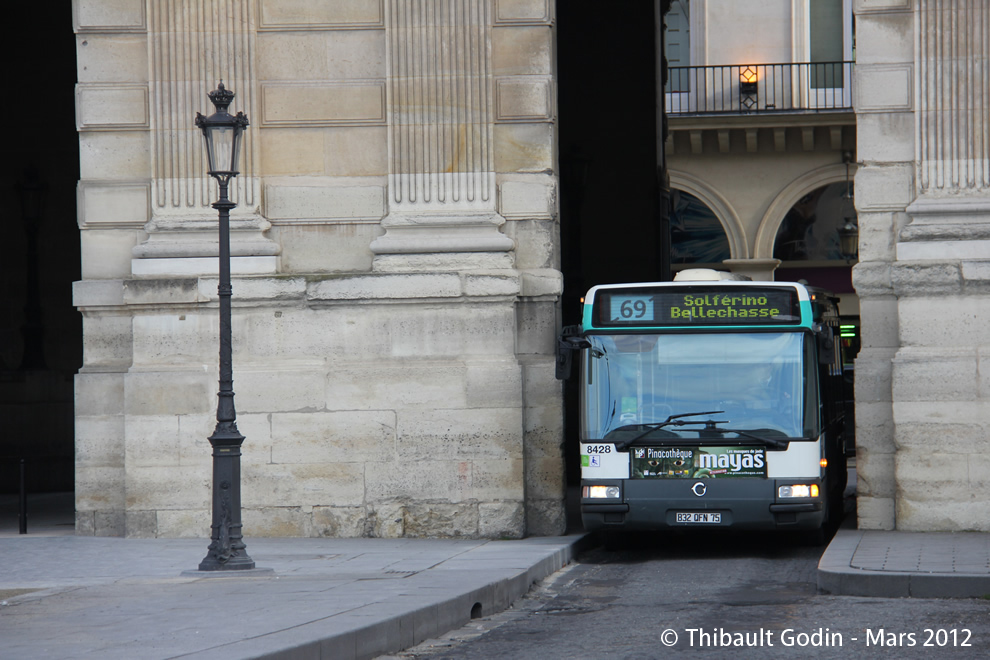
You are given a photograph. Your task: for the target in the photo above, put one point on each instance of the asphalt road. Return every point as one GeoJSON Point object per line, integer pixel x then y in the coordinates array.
{"type": "Point", "coordinates": [751, 596]}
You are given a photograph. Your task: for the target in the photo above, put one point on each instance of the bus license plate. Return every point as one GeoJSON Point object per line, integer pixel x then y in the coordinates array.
{"type": "Point", "coordinates": [699, 518]}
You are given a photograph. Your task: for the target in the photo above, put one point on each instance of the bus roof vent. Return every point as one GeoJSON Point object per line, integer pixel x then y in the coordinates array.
{"type": "Point", "coordinates": [708, 275]}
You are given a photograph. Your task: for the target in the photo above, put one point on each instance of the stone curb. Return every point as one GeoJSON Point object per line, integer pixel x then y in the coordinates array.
{"type": "Point", "coordinates": [400, 624]}
{"type": "Point", "coordinates": [836, 575]}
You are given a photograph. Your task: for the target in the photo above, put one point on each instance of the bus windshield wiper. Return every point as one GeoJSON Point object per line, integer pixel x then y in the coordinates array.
{"type": "Point", "coordinates": [773, 442]}
{"type": "Point", "coordinates": [673, 420]}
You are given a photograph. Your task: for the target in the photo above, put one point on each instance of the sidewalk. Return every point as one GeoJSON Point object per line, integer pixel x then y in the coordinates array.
{"type": "Point", "coordinates": [903, 564]}
{"type": "Point", "coordinates": [906, 564]}
{"type": "Point", "coordinates": [69, 597]}
{"type": "Point", "coordinates": [65, 596]}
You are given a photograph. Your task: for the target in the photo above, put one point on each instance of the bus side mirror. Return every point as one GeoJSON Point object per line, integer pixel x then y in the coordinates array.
{"type": "Point", "coordinates": [569, 342]}
{"type": "Point", "coordinates": [826, 349]}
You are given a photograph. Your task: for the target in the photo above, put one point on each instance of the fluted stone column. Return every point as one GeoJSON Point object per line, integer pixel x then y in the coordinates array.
{"type": "Point", "coordinates": [441, 204]}
{"type": "Point", "coordinates": [193, 45]}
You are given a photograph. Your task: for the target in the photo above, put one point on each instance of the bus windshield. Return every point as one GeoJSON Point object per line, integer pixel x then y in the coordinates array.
{"type": "Point", "coordinates": [764, 383]}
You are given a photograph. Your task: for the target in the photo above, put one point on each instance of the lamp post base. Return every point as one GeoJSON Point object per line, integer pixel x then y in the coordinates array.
{"type": "Point", "coordinates": [213, 562]}
{"type": "Point", "coordinates": [251, 572]}
{"type": "Point", "coordinates": [226, 551]}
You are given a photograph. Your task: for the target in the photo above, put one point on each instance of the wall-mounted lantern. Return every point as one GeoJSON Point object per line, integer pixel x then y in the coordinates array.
{"type": "Point", "coordinates": [849, 239]}
{"type": "Point", "coordinates": [849, 231]}
{"type": "Point", "coordinates": [748, 87]}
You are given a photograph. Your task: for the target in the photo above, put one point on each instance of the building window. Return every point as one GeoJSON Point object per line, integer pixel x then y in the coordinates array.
{"type": "Point", "coordinates": [677, 46]}
{"type": "Point", "coordinates": [810, 230]}
{"type": "Point", "coordinates": [697, 236]}
{"type": "Point", "coordinates": [826, 40]}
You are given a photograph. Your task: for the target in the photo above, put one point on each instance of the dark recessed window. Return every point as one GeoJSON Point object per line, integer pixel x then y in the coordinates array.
{"type": "Point", "coordinates": [810, 230]}
{"type": "Point", "coordinates": [696, 234]}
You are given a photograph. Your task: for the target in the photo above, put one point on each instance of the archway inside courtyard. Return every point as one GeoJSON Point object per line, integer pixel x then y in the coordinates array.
{"type": "Point", "coordinates": [808, 244]}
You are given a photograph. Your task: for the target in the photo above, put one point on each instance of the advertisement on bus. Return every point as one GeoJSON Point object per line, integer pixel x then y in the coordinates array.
{"type": "Point", "coordinates": [698, 462]}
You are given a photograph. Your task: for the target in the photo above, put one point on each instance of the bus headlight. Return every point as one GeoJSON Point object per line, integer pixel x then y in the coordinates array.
{"type": "Point", "coordinates": [797, 490]}
{"type": "Point", "coordinates": [601, 492]}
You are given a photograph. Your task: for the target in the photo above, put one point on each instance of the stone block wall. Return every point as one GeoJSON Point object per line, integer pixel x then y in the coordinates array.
{"type": "Point", "coordinates": [389, 416]}
{"type": "Point", "coordinates": [941, 396]}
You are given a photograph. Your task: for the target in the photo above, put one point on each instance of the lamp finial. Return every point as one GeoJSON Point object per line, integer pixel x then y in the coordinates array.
{"type": "Point", "coordinates": [221, 97]}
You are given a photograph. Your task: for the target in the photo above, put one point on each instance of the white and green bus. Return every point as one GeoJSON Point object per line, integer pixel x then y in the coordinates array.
{"type": "Point", "coordinates": [708, 403]}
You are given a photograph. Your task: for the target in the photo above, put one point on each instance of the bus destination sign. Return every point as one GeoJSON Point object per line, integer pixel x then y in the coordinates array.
{"type": "Point", "coordinates": [718, 306]}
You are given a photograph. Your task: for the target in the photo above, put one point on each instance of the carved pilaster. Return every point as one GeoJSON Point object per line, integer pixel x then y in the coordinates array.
{"type": "Point", "coordinates": [441, 161]}
{"type": "Point", "coordinates": [954, 131]}
{"type": "Point", "coordinates": [193, 44]}
{"type": "Point", "coordinates": [951, 217]}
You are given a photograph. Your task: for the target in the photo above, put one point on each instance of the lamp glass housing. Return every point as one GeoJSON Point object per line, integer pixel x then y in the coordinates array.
{"type": "Point", "coordinates": [222, 132]}
{"type": "Point", "coordinates": [748, 78]}
{"type": "Point", "coordinates": [223, 144]}
{"type": "Point", "coordinates": [32, 194]}
{"type": "Point", "coordinates": [849, 239]}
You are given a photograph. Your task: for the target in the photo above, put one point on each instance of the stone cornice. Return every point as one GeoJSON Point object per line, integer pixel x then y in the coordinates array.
{"type": "Point", "coordinates": [776, 129]}
{"type": "Point", "coordinates": [350, 289]}
{"type": "Point", "coordinates": [922, 279]}
{"type": "Point", "coordinates": [947, 219]}
{"type": "Point", "coordinates": [762, 120]}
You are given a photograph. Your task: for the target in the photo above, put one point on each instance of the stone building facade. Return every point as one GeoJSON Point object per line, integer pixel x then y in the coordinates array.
{"type": "Point", "coordinates": [394, 266]}
{"type": "Point", "coordinates": [397, 253]}
{"type": "Point", "coordinates": [923, 195]}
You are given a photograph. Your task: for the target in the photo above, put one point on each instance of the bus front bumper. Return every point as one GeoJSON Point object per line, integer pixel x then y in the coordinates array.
{"type": "Point", "coordinates": [741, 504]}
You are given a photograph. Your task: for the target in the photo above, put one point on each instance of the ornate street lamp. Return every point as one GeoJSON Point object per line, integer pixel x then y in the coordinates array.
{"type": "Point", "coordinates": [227, 551]}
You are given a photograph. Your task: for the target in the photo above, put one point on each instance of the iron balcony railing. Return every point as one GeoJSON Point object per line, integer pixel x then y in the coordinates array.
{"type": "Point", "coordinates": [759, 88]}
